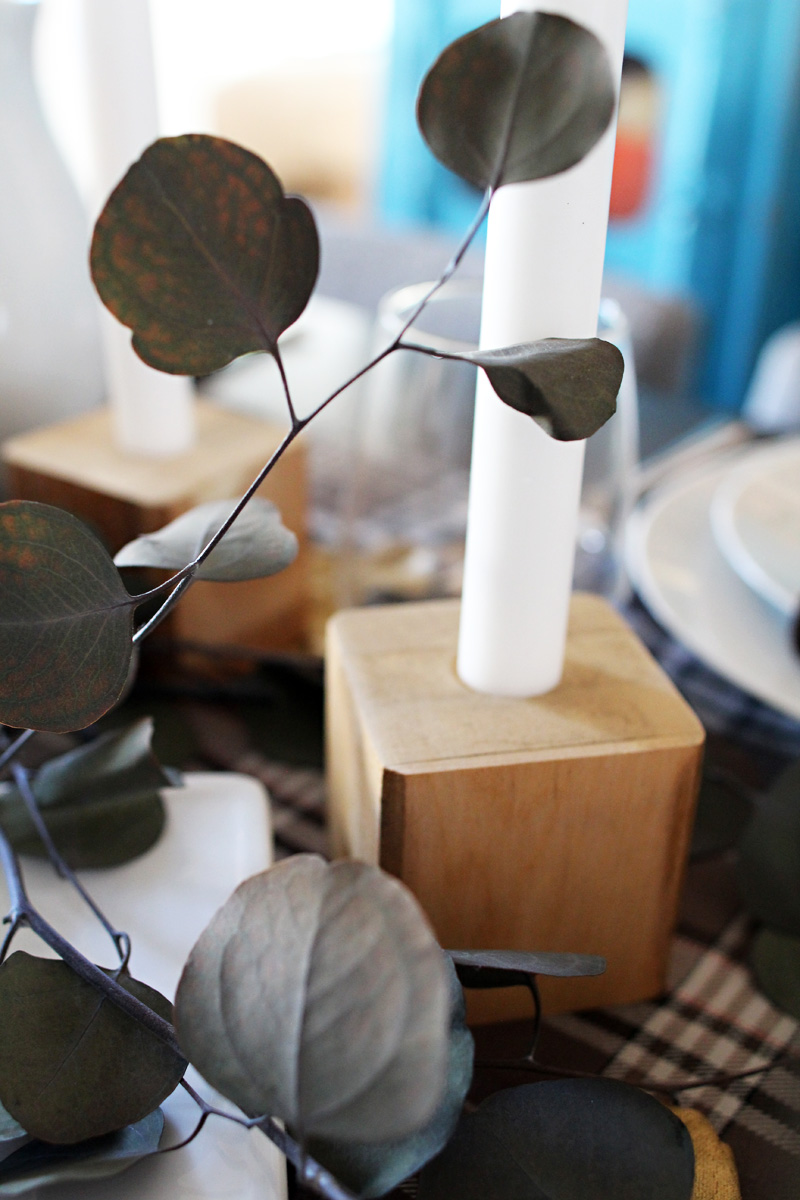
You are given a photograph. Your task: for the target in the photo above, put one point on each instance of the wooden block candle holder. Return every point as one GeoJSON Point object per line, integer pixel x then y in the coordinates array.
{"type": "Point", "coordinates": [77, 466]}
{"type": "Point", "coordinates": [554, 823]}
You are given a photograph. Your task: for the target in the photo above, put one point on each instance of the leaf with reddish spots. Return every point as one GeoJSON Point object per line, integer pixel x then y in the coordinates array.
{"type": "Point", "coordinates": [201, 254]}
{"type": "Point", "coordinates": [66, 621]}
{"type": "Point", "coordinates": [518, 99]}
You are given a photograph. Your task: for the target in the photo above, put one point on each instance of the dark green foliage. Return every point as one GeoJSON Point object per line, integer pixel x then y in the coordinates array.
{"type": "Point", "coordinates": [373, 1170]}
{"type": "Point", "coordinates": [567, 1140]}
{"type": "Point", "coordinates": [199, 252]}
{"type": "Point", "coordinates": [318, 995]}
{"type": "Point", "coordinates": [518, 99]}
{"type": "Point", "coordinates": [65, 621]}
{"type": "Point", "coordinates": [569, 386]}
{"type": "Point", "coordinates": [257, 545]}
{"type": "Point", "coordinates": [38, 1163]}
{"type": "Point", "coordinates": [72, 1065]}
{"type": "Point", "coordinates": [100, 802]}
{"type": "Point", "coordinates": [507, 968]}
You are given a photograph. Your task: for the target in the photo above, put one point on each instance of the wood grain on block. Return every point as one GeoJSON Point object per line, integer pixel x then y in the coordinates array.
{"type": "Point", "coordinates": [559, 822]}
{"type": "Point", "coordinates": [77, 466]}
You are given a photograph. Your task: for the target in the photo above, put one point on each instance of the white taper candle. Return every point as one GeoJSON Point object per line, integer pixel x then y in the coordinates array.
{"type": "Point", "coordinates": [544, 267]}
{"type": "Point", "coordinates": [152, 413]}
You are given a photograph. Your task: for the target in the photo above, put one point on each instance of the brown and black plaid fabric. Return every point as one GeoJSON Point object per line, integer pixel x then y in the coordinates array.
{"type": "Point", "coordinates": [712, 1022]}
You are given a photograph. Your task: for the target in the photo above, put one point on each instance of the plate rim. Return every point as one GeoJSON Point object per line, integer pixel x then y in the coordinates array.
{"type": "Point", "coordinates": [722, 514]}
{"type": "Point", "coordinates": [643, 579]}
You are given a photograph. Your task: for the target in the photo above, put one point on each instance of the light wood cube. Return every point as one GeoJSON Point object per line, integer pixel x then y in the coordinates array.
{"type": "Point", "coordinates": [554, 823]}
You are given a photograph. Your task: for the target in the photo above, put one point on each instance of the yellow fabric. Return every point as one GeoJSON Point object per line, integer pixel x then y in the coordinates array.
{"type": "Point", "coordinates": [715, 1170]}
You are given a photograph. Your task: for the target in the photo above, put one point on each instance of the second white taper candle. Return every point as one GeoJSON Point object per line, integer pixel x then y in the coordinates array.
{"type": "Point", "coordinates": [152, 413]}
{"type": "Point", "coordinates": [544, 268]}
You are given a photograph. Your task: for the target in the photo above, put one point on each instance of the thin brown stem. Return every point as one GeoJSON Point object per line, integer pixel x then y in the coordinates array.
{"type": "Point", "coordinates": [121, 941]}
{"type": "Point", "coordinates": [165, 609]}
{"type": "Point", "coordinates": [184, 578]}
{"type": "Point", "coordinates": [416, 312]}
{"type": "Point", "coordinates": [719, 1081]}
{"type": "Point", "coordinates": [13, 928]}
{"type": "Point", "coordinates": [24, 912]}
{"type": "Point", "coordinates": [15, 747]}
{"type": "Point", "coordinates": [276, 354]}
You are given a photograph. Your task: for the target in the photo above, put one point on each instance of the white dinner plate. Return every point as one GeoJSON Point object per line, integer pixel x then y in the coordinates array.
{"type": "Point", "coordinates": [679, 572]}
{"type": "Point", "coordinates": [217, 834]}
{"type": "Point", "coordinates": [755, 516]}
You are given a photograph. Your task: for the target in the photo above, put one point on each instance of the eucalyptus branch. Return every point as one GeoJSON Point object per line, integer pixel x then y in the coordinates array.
{"type": "Point", "coordinates": [13, 929]}
{"type": "Point", "coordinates": [311, 1172]}
{"type": "Point", "coordinates": [719, 1081]}
{"type": "Point", "coordinates": [23, 912]}
{"type": "Point", "coordinates": [276, 354]}
{"type": "Point", "coordinates": [15, 747]}
{"type": "Point", "coordinates": [185, 579]}
{"type": "Point", "coordinates": [122, 943]}
{"type": "Point", "coordinates": [416, 312]}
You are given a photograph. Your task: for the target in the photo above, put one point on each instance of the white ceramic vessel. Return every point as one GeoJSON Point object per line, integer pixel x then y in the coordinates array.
{"type": "Point", "coordinates": [50, 353]}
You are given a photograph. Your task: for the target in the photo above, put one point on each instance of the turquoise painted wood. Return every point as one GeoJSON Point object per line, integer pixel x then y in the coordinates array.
{"type": "Point", "coordinates": [722, 225]}
{"type": "Point", "coordinates": [723, 222]}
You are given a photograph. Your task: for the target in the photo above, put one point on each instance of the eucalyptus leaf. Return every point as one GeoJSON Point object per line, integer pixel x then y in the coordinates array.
{"type": "Point", "coordinates": [565, 1140]}
{"type": "Point", "coordinates": [100, 833]}
{"type": "Point", "coordinates": [66, 621]}
{"type": "Point", "coordinates": [508, 968]}
{"type": "Point", "coordinates": [72, 1065]}
{"type": "Point", "coordinates": [201, 254]}
{"type": "Point", "coordinates": [40, 1164]}
{"type": "Point", "coordinates": [258, 544]}
{"type": "Point", "coordinates": [518, 99]}
{"type": "Point", "coordinates": [568, 385]}
{"type": "Point", "coordinates": [99, 801]}
{"type": "Point", "coordinates": [10, 1129]}
{"type": "Point", "coordinates": [768, 872]}
{"type": "Point", "coordinates": [319, 995]}
{"type": "Point", "coordinates": [775, 959]}
{"type": "Point", "coordinates": [111, 766]}
{"type": "Point", "coordinates": [373, 1170]}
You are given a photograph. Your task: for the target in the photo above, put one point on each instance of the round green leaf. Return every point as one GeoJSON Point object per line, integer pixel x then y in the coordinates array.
{"type": "Point", "coordinates": [768, 872]}
{"type": "Point", "coordinates": [373, 1170]}
{"type": "Point", "coordinates": [66, 621]}
{"type": "Point", "coordinates": [99, 801]}
{"type": "Point", "coordinates": [568, 385]}
{"type": "Point", "coordinates": [509, 968]}
{"type": "Point", "coordinates": [319, 995]}
{"type": "Point", "coordinates": [775, 959]}
{"type": "Point", "coordinates": [39, 1164]}
{"type": "Point", "coordinates": [112, 766]}
{"type": "Point", "coordinates": [258, 543]}
{"type": "Point", "coordinates": [566, 1140]}
{"type": "Point", "coordinates": [518, 99]}
{"type": "Point", "coordinates": [199, 252]}
{"type": "Point", "coordinates": [100, 833]}
{"type": "Point", "coordinates": [72, 1065]}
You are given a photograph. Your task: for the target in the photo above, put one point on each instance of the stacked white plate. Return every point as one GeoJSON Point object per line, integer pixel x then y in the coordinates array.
{"type": "Point", "coordinates": [715, 555]}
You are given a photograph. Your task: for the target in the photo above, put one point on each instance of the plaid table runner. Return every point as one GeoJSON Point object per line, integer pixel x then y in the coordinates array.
{"type": "Point", "coordinates": [713, 1021]}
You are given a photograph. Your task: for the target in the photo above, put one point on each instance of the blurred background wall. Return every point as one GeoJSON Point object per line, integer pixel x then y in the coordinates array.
{"type": "Point", "coordinates": [706, 201]}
